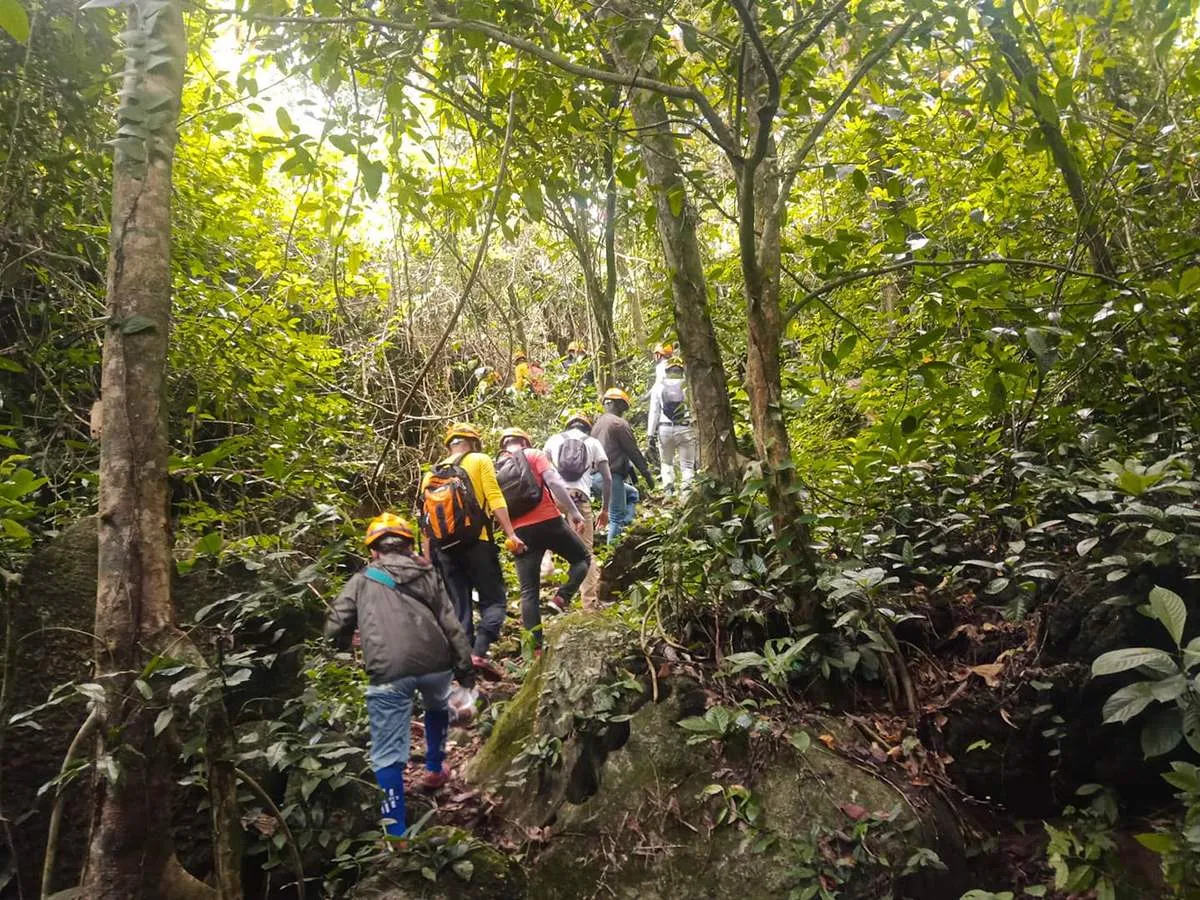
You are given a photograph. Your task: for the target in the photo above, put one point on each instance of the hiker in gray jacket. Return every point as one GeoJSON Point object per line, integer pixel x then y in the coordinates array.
{"type": "Point", "coordinates": [411, 641]}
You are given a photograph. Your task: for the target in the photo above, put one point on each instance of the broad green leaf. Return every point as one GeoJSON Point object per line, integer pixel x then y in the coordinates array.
{"type": "Point", "coordinates": [136, 325]}
{"type": "Point", "coordinates": [1126, 703]}
{"type": "Point", "coordinates": [14, 20]}
{"type": "Point", "coordinates": [1189, 280]}
{"type": "Point", "coordinates": [163, 720]}
{"type": "Point", "coordinates": [1162, 732]}
{"type": "Point", "coordinates": [1156, 841]}
{"type": "Point", "coordinates": [1169, 609]}
{"type": "Point", "coordinates": [284, 120]}
{"type": "Point", "coordinates": [1132, 658]}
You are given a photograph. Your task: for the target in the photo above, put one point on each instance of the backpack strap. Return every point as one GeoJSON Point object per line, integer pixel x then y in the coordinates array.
{"type": "Point", "coordinates": [379, 576]}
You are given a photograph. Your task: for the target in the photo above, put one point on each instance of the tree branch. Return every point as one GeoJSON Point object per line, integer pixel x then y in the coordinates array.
{"type": "Point", "coordinates": [766, 112]}
{"type": "Point", "coordinates": [443, 23]}
{"type": "Point", "coordinates": [844, 280]}
{"type": "Point", "coordinates": [797, 160]}
{"type": "Point", "coordinates": [811, 38]}
{"type": "Point", "coordinates": [501, 176]}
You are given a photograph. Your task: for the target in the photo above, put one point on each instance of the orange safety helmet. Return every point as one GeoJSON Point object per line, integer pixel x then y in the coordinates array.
{"type": "Point", "coordinates": [581, 417]}
{"type": "Point", "coordinates": [388, 523]}
{"type": "Point", "coordinates": [617, 394]}
{"type": "Point", "coordinates": [515, 433]}
{"type": "Point", "coordinates": [460, 430]}
{"type": "Point", "coordinates": [664, 350]}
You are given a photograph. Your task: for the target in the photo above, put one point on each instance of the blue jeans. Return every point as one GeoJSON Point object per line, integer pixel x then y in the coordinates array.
{"type": "Point", "coordinates": [622, 506]}
{"type": "Point", "coordinates": [389, 707]}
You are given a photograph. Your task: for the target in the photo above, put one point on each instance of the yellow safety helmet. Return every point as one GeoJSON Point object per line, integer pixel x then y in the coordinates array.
{"type": "Point", "coordinates": [675, 362]}
{"type": "Point", "coordinates": [574, 347]}
{"type": "Point", "coordinates": [462, 430]}
{"type": "Point", "coordinates": [515, 433]}
{"type": "Point", "coordinates": [388, 523]}
{"type": "Point", "coordinates": [519, 356]}
{"type": "Point", "coordinates": [617, 394]}
{"type": "Point", "coordinates": [581, 417]}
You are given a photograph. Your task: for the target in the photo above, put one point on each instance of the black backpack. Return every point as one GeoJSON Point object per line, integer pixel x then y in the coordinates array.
{"type": "Point", "coordinates": [674, 402]}
{"type": "Point", "coordinates": [573, 461]}
{"type": "Point", "coordinates": [521, 486]}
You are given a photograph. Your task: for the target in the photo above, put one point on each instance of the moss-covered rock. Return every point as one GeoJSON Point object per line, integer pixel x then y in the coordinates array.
{"type": "Point", "coordinates": [632, 808]}
{"type": "Point", "coordinates": [488, 875]}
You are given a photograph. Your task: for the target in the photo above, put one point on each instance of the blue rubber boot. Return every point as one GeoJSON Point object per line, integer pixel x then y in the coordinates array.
{"type": "Point", "coordinates": [437, 723]}
{"type": "Point", "coordinates": [391, 780]}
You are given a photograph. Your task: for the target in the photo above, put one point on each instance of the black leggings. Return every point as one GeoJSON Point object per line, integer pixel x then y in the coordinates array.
{"type": "Point", "coordinates": [557, 537]}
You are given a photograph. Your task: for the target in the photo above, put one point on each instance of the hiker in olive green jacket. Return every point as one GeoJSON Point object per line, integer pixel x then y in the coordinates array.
{"type": "Point", "coordinates": [411, 641]}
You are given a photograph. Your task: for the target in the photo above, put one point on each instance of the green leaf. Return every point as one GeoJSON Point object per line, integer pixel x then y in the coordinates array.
{"type": "Point", "coordinates": [1162, 732]}
{"type": "Point", "coordinates": [1169, 609]}
{"type": "Point", "coordinates": [1189, 280]}
{"type": "Point", "coordinates": [1131, 658]}
{"type": "Point", "coordinates": [284, 120]}
{"type": "Point", "coordinates": [908, 424]}
{"type": "Point", "coordinates": [1128, 702]}
{"type": "Point", "coordinates": [675, 198]}
{"type": "Point", "coordinates": [464, 869]}
{"type": "Point", "coordinates": [1084, 547]}
{"type": "Point", "coordinates": [1064, 92]}
{"type": "Point", "coordinates": [14, 20]}
{"type": "Point", "coordinates": [211, 543]}
{"type": "Point", "coordinates": [136, 325]}
{"type": "Point", "coordinates": [1156, 841]}
{"type": "Point", "coordinates": [531, 195]}
{"type": "Point", "coordinates": [344, 142]}
{"type": "Point", "coordinates": [800, 740]}
{"type": "Point", "coordinates": [163, 720]}
{"type": "Point", "coordinates": [1191, 727]}
{"type": "Point", "coordinates": [372, 175]}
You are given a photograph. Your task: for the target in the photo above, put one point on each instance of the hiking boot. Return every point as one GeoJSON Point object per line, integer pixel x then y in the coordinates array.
{"type": "Point", "coordinates": [486, 668]}
{"type": "Point", "coordinates": [432, 781]}
{"type": "Point", "coordinates": [556, 605]}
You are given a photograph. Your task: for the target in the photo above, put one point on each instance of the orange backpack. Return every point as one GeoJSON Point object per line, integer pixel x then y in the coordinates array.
{"type": "Point", "coordinates": [450, 511]}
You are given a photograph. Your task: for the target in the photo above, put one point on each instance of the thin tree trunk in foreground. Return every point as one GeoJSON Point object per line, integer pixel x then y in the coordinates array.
{"type": "Point", "coordinates": [708, 389]}
{"type": "Point", "coordinates": [131, 855]}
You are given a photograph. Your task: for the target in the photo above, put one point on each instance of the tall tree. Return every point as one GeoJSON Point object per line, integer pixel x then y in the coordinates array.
{"type": "Point", "coordinates": [131, 854]}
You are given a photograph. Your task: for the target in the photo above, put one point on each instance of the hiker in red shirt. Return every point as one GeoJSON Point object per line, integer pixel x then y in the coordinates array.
{"type": "Point", "coordinates": [535, 493]}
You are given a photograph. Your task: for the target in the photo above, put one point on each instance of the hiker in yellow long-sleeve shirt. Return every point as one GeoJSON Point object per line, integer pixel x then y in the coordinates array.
{"type": "Point", "coordinates": [454, 518]}
{"type": "Point", "coordinates": [520, 372]}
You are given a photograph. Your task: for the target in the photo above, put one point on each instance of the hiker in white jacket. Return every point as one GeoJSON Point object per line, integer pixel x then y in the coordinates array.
{"type": "Point", "coordinates": [670, 427]}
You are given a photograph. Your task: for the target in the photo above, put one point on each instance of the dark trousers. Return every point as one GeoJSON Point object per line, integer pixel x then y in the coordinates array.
{"type": "Point", "coordinates": [475, 566]}
{"type": "Point", "coordinates": [556, 536]}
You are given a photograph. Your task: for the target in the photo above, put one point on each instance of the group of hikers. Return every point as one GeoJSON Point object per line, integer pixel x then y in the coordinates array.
{"type": "Point", "coordinates": [427, 617]}
{"type": "Point", "coordinates": [469, 376]}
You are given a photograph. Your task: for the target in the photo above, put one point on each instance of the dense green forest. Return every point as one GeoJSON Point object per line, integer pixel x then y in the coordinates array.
{"type": "Point", "coordinates": [926, 624]}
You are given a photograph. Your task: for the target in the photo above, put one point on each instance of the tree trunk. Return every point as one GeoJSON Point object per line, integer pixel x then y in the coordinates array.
{"type": "Point", "coordinates": [759, 227]}
{"type": "Point", "coordinates": [131, 853]}
{"type": "Point", "coordinates": [1003, 28]}
{"type": "Point", "coordinates": [606, 348]}
{"type": "Point", "coordinates": [677, 220]}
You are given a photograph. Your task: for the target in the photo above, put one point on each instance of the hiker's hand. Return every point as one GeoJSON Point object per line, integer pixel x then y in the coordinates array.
{"type": "Point", "coordinates": [653, 444]}
{"type": "Point", "coordinates": [515, 545]}
{"type": "Point", "coordinates": [578, 524]}
{"type": "Point", "coordinates": [602, 520]}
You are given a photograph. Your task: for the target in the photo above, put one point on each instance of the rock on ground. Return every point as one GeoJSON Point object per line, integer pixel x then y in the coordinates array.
{"type": "Point", "coordinates": [628, 809]}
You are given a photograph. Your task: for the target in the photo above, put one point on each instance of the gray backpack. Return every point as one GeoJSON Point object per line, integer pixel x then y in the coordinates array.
{"type": "Point", "coordinates": [674, 402]}
{"type": "Point", "coordinates": [573, 461]}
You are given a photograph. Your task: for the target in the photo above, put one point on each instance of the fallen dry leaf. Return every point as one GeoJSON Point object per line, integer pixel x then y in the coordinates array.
{"type": "Point", "coordinates": [827, 740]}
{"type": "Point", "coordinates": [990, 673]}
{"type": "Point", "coordinates": [854, 811]}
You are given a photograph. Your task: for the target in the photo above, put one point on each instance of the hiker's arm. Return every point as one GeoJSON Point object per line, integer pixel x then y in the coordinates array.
{"type": "Point", "coordinates": [655, 413]}
{"type": "Point", "coordinates": [494, 497]}
{"type": "Point", "coordinates": [343, 616]}
{"type": "Point", "coordinates": [635, 454]}
{"type": "Point", "coordinates": [562, 496]}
